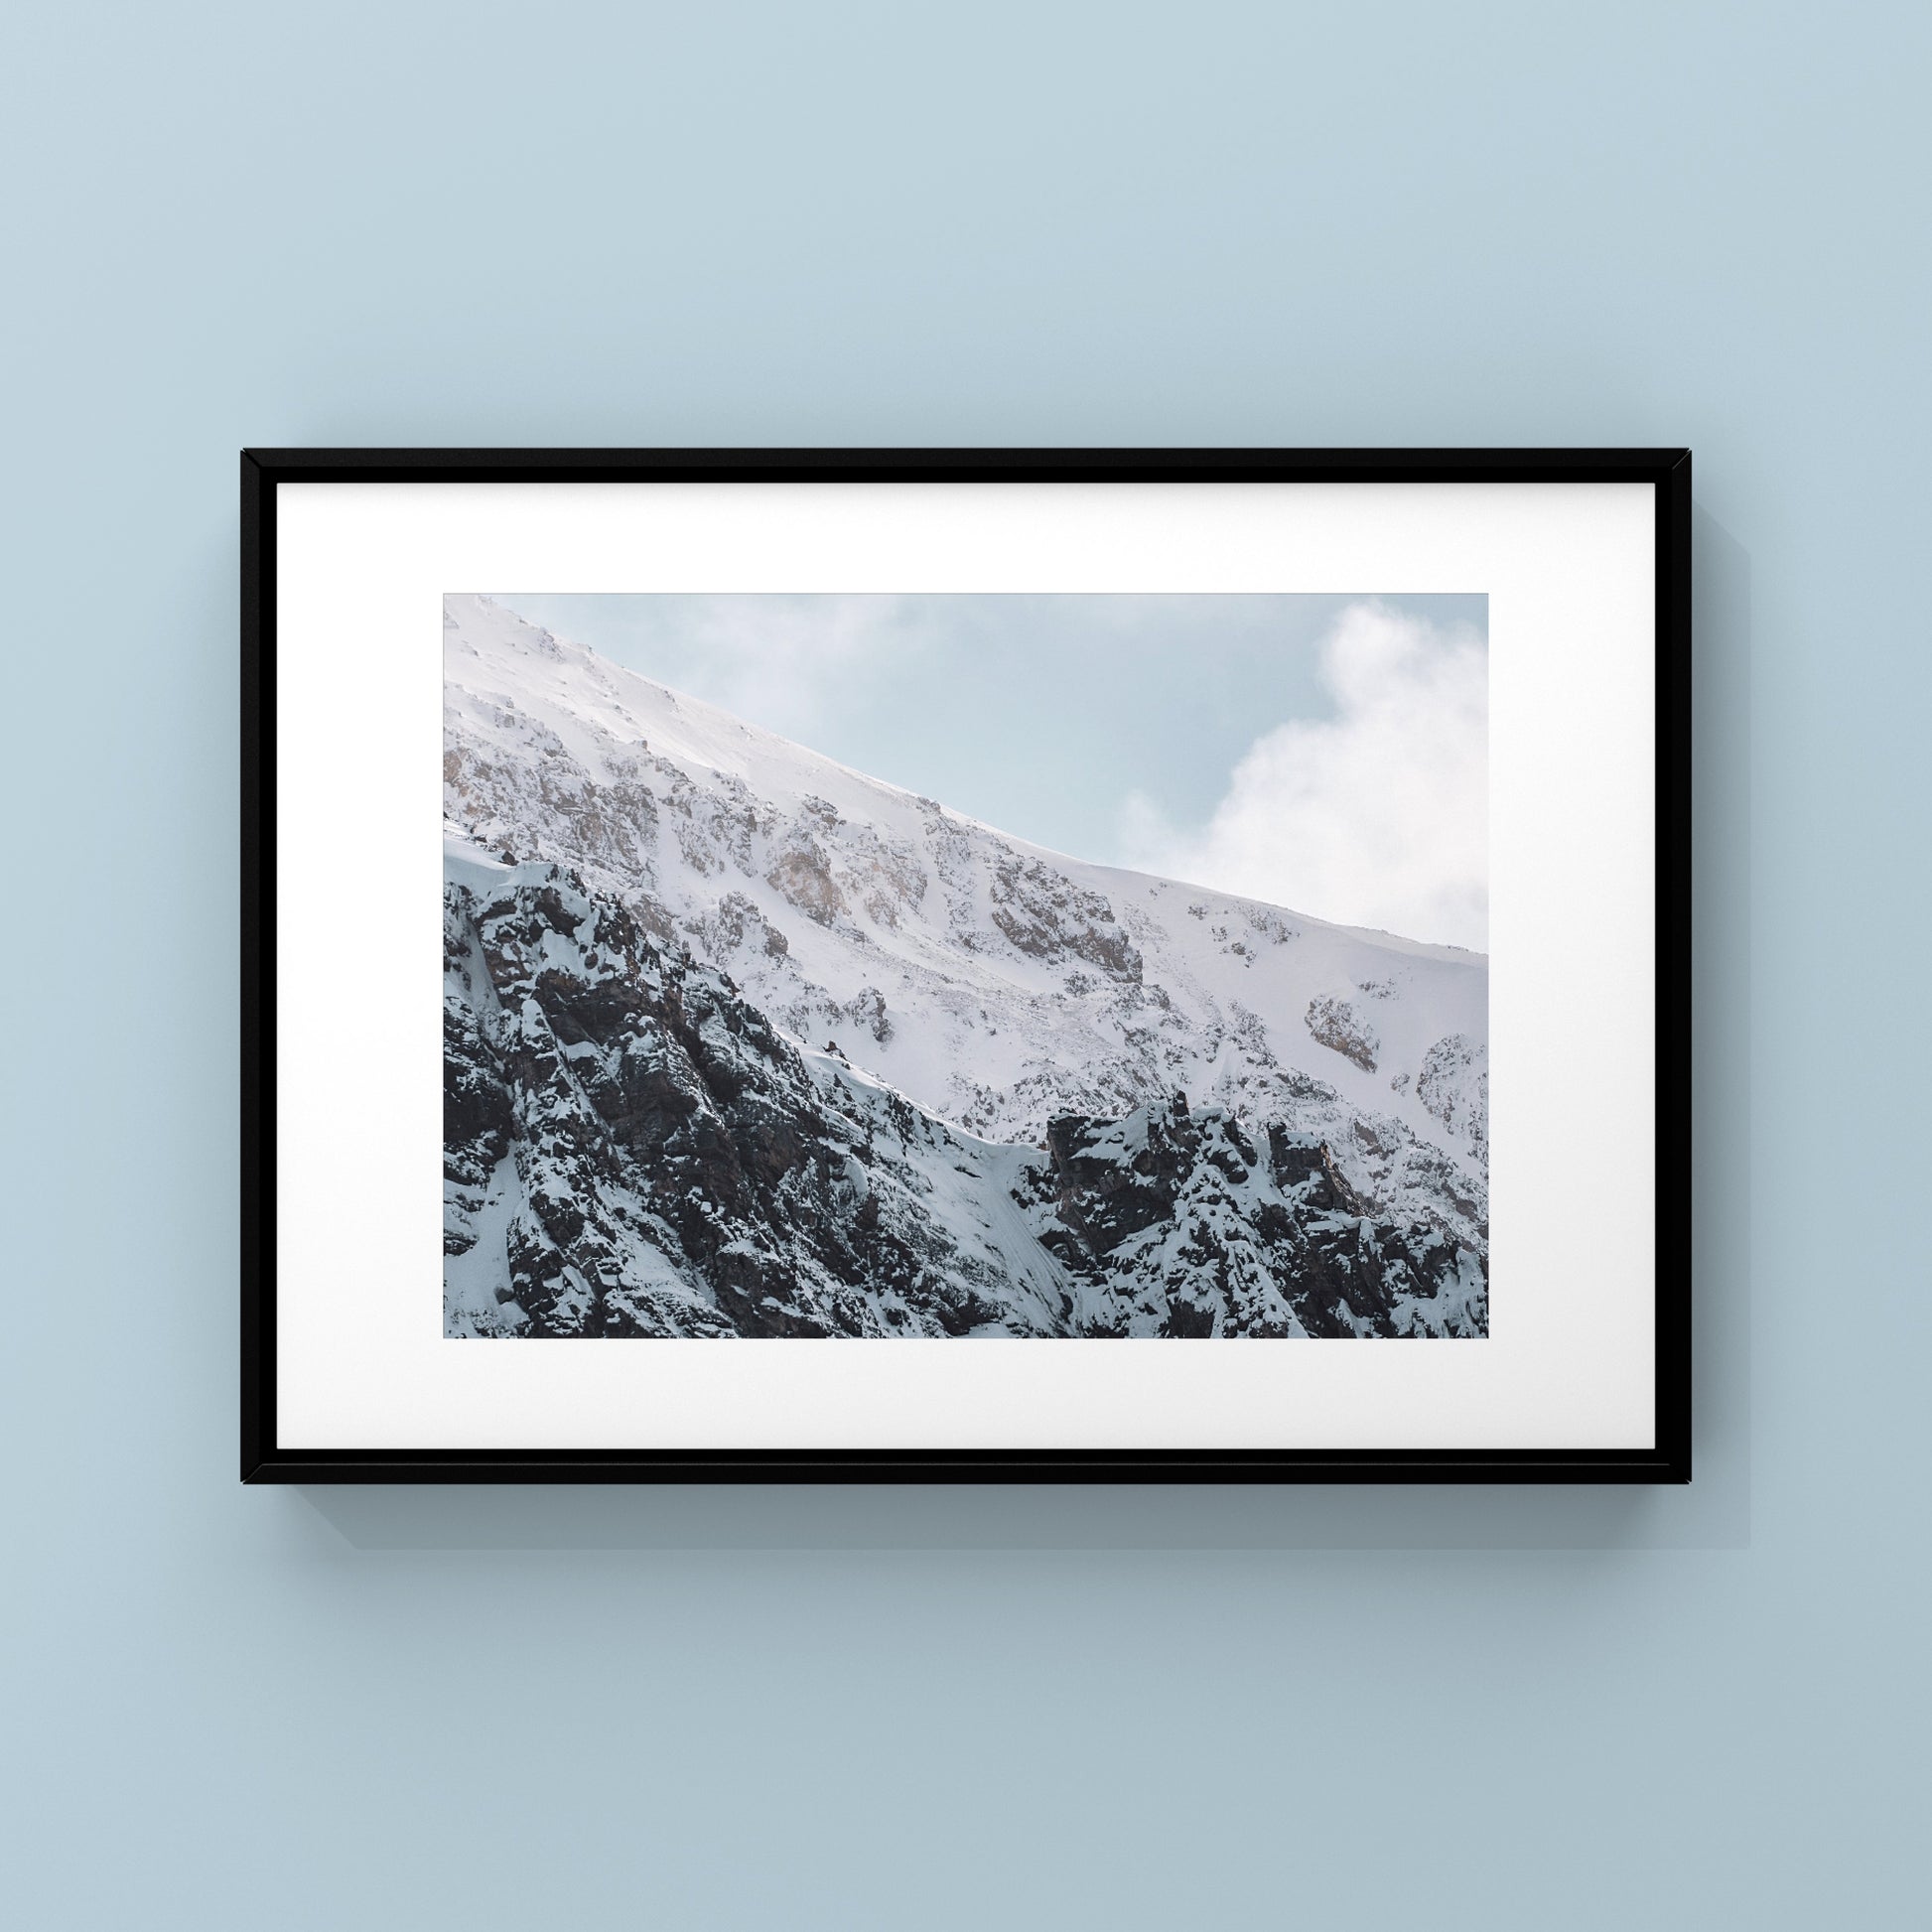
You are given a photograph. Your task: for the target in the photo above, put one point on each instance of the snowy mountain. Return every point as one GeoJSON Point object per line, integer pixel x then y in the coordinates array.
{"type": "Point", "coordinates": [834, 1059]}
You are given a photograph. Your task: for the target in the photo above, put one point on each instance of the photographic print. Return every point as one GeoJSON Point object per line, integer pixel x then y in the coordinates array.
{"type": "Point", "coordinates": [965, 965]}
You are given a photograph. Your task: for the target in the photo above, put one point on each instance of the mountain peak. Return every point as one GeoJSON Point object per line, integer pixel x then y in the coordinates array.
{"type": "Point", "coordinates": [994, 984]}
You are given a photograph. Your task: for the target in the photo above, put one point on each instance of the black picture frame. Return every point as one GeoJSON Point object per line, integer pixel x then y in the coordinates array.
{"type": "Point", "coordinates": [1668, 471]}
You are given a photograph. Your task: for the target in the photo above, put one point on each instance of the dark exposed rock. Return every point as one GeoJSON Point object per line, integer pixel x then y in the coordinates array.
{"type": "Point", "coordinates": [675, 1166]}
{"type": "Point", "coordinates": [1175, 1226]}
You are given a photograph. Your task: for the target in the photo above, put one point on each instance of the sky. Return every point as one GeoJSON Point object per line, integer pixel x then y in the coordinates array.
{"type": "Point", "coordinates": [1323, 753]}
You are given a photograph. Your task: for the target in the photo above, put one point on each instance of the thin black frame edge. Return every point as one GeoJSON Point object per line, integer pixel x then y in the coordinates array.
{"type": "Point", "coordinates": [833, 465]}
{"type": "Point", "coordinates": [1675, 937]}
{"type": "Point", "coordinates": [263, 1461]}
{"type": "Point", "coordinates": [257, 990]}
{"type": "Point", "coordinates": [800, 1467]}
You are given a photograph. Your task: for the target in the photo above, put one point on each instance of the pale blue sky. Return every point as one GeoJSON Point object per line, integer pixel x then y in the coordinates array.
{"type": "Point", "coordinates": [1047, 716]}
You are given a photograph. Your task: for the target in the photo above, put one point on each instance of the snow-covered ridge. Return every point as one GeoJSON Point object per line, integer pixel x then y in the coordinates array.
{"type": "Point", "coordinates": [995, 983]}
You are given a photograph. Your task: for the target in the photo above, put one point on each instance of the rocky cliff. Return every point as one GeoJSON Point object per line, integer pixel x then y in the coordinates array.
{"type": "Point", "coordinates": [634, 1148]}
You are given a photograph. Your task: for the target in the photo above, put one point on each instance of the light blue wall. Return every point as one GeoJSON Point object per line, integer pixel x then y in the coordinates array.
{"type": "Point", "coordinates": [1042, 225]}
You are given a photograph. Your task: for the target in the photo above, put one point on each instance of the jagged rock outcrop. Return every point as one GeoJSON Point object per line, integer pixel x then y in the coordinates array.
{"type": "Point", "coordinates": [1454, 1085]}
{"type": "Point", "coordinates": [1180, 1223]}
{"type": "Point", "coordinates": [631, 1149]}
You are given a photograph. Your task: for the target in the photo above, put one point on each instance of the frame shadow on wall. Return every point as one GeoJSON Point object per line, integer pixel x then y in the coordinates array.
{"type": "Point", "coordinates": [1713, 1512]}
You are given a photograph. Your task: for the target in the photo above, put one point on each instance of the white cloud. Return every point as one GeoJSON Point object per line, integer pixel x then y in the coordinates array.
{"type": "Point", "coordinates": [1378, 817]}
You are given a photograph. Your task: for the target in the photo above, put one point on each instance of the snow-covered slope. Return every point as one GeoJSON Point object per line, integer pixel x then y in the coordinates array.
{"type": "Point", "coordinates": [994, 984]}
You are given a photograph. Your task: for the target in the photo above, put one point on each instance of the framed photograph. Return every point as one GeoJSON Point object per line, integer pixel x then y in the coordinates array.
{"type": "Point", "coordinates": [965, 965]}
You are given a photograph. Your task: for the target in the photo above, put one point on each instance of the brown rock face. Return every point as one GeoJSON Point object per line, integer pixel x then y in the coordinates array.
{"type": "Point", "coordinates": [803, 875]}
{"type": "Point", "coordinates": [1046, 916]}
{"type": "Point", "coordinates": [1341, 1025]}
